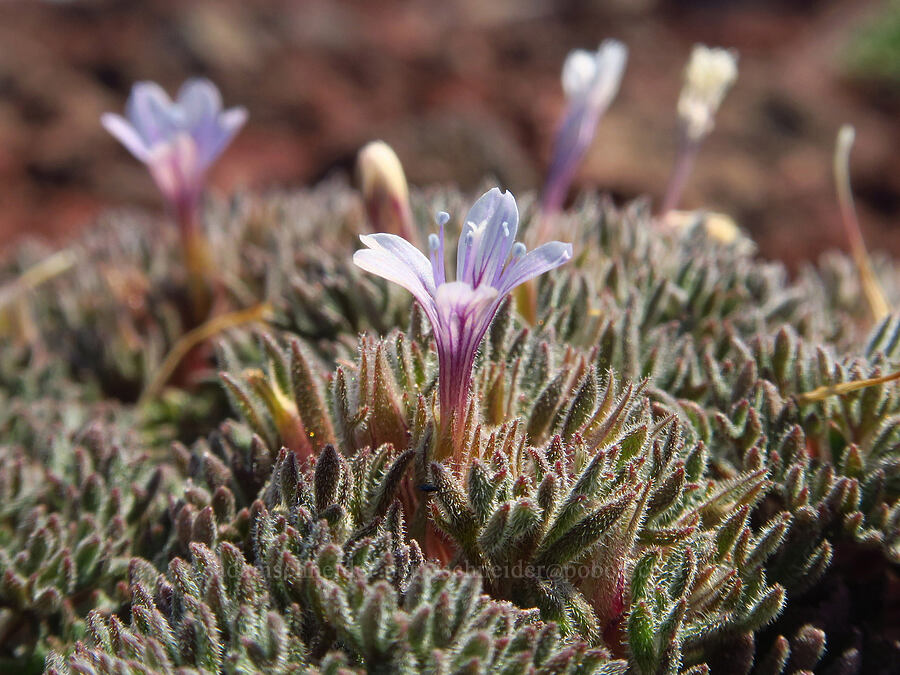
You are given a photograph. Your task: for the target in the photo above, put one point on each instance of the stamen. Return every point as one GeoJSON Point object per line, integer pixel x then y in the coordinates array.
{"type": "Point", "coordinates": [468, 258]}
{"type": "Point", "coordinates": [442, 218]}
{"type": "Point", "coordinates": [436, 245]}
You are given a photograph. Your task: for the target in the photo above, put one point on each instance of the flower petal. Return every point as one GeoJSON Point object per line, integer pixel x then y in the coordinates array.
{"type": "Point", "coordinates": [395, 259]}
{"type": "Point", "coordinates": [610, 59]}
{"type": "Point", "coordinates": [212, 129]}
{"type": "Point", "coordinates": [151, 112]}
{"type": "Point", "coordinates": [492, 223]}
{"type": "Point", "coordinates": [200, 101]}
{"type": "Point", "coordinates": [223, 130]}
{"type": "Point", "coordinates": [232, 120]}
{"type": "Point", "coordinates": [579, 70]}
{"type": "Point", "coordinates": [405, 253]}
{"type": "Point", "coordinates": [534, 263]}
{"type": "Point", "coordinates": [126, 134]}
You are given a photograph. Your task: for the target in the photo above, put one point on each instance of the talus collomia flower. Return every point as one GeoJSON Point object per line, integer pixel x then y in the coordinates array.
{"type": "Point", "coordinates": [489, 264]}
{"type": "Point", "coordinates": [178, 140]}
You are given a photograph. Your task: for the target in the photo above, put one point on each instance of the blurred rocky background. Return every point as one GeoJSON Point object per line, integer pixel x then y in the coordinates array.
{"type": "Point", "coordinates": [461, 89]}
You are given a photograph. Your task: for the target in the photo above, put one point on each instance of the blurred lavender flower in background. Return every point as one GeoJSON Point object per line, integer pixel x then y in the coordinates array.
{"type": "Point", "coordinates": [591, 81]}
{"type": "Point", "coordinates": [177, 140]}
{"type": "Point", "coordinates": [709, 75]}
{"type": "Point", "coordinates": [489, 264]}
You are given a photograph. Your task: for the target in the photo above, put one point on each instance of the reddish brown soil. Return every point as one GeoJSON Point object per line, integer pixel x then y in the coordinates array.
{"type": "Point", "coordinates": [462, 88]}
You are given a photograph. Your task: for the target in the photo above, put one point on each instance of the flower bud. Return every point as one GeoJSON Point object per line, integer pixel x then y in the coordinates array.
{"type": "Point", "coordinates": [591, 81]}
{"type": "Point", "coordinates": [384, 189]}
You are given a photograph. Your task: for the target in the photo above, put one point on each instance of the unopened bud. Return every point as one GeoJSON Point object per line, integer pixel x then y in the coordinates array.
{"type": "Point", "coordinates": [591, 81]}
{"type": "Point", "coordinates": [384, 189]}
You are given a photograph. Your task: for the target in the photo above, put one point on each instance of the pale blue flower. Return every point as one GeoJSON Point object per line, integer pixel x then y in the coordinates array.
{"type": "Point", "coordinates": [177, 140]}
{"type": "Point", "coordinates": [591, 81]}
{"type": "Point", "coordinates": [489, 264]}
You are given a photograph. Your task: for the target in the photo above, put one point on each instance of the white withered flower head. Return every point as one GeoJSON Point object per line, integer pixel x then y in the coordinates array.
{"type": "Point", "coordinates": [709, 75]}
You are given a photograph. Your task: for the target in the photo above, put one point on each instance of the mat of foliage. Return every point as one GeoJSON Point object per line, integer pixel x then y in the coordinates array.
{"type": "Point", "coordinates": [642, 491]}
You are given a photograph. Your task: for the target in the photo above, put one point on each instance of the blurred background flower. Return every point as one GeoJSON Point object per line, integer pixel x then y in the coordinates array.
{"type": "Point", "coordinates": [462, 90]}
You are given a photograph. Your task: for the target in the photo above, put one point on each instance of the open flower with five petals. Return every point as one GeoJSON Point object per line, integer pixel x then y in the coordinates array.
{"type": "Point", "coordinates": [177, 140]}
{"type": "Point", "coordinates": [489, 264]}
